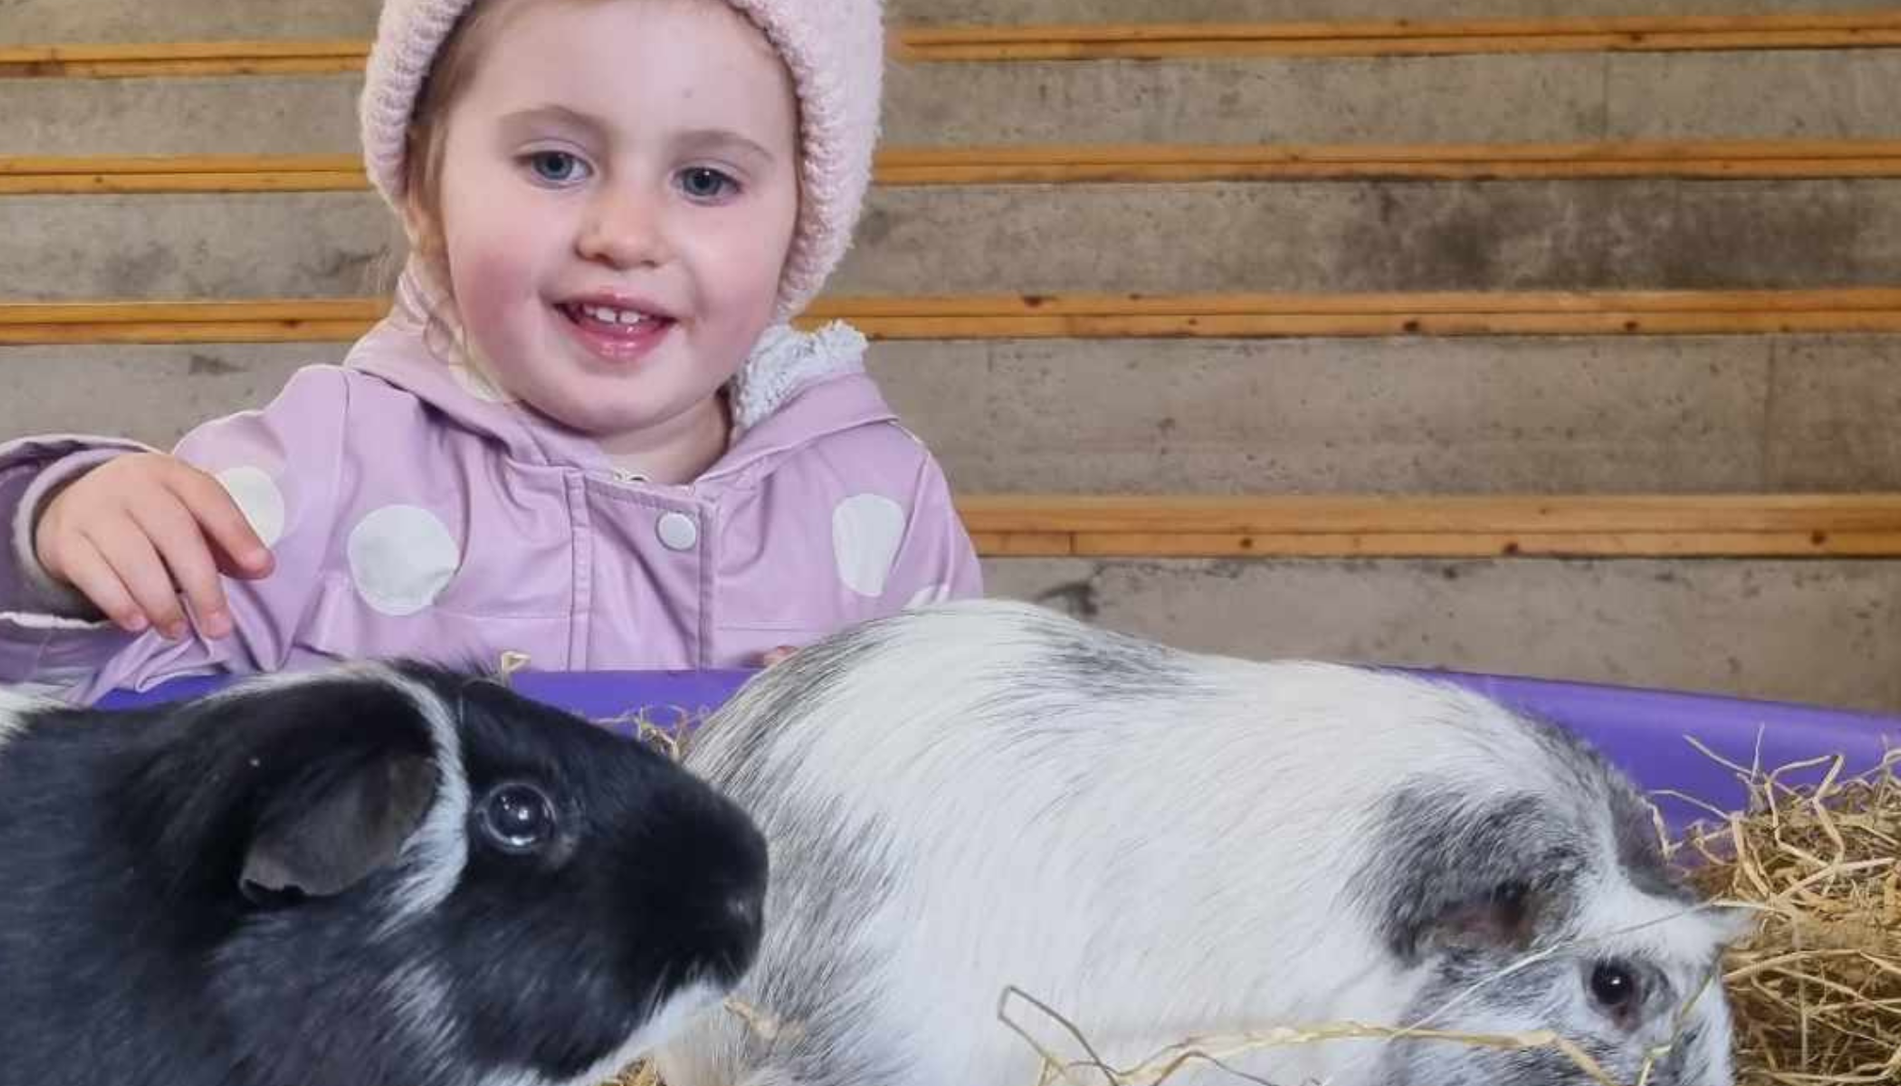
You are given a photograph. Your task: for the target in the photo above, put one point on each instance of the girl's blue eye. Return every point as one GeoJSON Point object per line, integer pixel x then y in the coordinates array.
{"type": "Point", "coordinates": [555, 167]}
{"type": "Point", "coordinates": [703, 183]}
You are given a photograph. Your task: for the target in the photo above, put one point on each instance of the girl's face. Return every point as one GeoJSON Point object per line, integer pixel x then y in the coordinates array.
{"type": "Point", "coordinates": [619, 187]}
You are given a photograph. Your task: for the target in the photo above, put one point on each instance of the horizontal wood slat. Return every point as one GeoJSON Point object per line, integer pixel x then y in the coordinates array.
{"type": "Point", "coordinates": [1422, 45]}
{"type": "Point", "coordinates": [1077, 316]}
{"type": "Point", "coordinates": [218, 58]}
{"type": "Point", "coordinates": [1349, 526]}
{"type": "Point", "coordinates": [1401, 37]}
{"type": "Point", "coordinates": [1133, 163]}
{"type": "Point", "coordinates": [1162, 163]}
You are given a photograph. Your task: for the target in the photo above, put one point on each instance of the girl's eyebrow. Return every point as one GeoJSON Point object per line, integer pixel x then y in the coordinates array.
{"type": "Point", "coordinates": [706, 139]}
{"type": "Point", "coordinates": [559, 115]}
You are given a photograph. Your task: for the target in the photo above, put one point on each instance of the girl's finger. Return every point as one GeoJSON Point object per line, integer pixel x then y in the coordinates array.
{"type": "Point", "coordinates": [224, 524]}
{"type": "Point", "coordinates": [138, 566]}
{"type": "Point", "coordinates": [175, 535]}
{"type": "Point", "coordinates": [88, 572]}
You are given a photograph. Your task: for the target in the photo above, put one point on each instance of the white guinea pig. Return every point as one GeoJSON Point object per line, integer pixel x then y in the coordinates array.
{"type": "Point", "coordinates": [1161, 845]}
{"type": "Point", "coordinates": [374, 875]}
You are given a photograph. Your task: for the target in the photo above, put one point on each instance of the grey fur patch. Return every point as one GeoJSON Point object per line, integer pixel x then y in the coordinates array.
{"type": "Point", "coordinates": [1435, 854]}
{"type": "Point", "coordinates": [1104, 665]}
{"type": "Point", "coordinates": [1639, 852]}
{"type": "Point", "coordinates": [1467, 986]}
{"type": "Point", "coordinates": [831, 877]}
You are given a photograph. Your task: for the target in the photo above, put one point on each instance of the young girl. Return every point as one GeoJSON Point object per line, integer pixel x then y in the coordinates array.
{"type": "Point", "coordinates": [584, 431]}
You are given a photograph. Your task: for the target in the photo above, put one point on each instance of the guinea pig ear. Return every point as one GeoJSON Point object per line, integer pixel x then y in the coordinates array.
{"type": "Point", "coordinates": [329, 828]}
{"type": "Point", "coordinates": [1505, 918]}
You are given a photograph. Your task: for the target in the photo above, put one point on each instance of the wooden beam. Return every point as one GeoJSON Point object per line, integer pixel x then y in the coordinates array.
{"type": "Point", "coordinates": [1136, 163]}
{"type": "Point", "coordinates": [1064, 49]}
{"type": "Point", "coordinates": [1072, 316]}
{"type": "Point", "coordinates": [184, 59]}
{"type": "Point", "coordinates": [1360, 526]}
{"type": "Point", "coordinates": [1385, 29]}
{"type": "Point", "coordinates": [1396, 37]}
{"type": "Point", "coordinates": [75, 323]}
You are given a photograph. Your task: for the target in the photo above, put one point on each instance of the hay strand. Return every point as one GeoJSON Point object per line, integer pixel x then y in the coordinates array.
{"type": "Point", "coordinates": [1218, 1049]}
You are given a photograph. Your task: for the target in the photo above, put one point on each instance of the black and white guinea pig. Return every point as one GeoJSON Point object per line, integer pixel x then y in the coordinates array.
{"type": "Point", "coordinates": [382, 874]}
{"type": "Point", "coordinates": [1162, 845]}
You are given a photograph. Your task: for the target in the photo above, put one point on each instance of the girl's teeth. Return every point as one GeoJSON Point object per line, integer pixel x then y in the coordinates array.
{"type": "Point", "coordinates": [607, 315]}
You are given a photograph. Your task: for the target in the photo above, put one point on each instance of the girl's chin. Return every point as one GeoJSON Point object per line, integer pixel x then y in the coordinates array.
{"type": "Point", "coordinates": [604, 420]}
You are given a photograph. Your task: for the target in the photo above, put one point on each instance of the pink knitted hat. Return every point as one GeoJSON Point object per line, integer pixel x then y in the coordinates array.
{"type": "Point", "coordinates": [833, 48]}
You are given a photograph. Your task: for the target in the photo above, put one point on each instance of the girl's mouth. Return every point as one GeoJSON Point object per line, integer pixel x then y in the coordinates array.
{"type": "Point", "coordinates": [614, 333]}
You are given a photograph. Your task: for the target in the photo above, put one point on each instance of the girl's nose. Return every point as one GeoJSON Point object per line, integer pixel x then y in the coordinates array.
{"type": "Point", "coordinates": [623, 230]}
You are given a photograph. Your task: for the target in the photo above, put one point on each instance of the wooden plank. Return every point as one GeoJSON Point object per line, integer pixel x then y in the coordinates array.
{"type": "Point", "coordinates": [1330, 514]}
{"type": "Point", "coordinates": [1194, 172]}
{"type": "Point", "coordinates": [1224, 326]}
{"type": "Point", "coordinates": [58, 165]}
{"type": "Point", "coordinates": [951, 34]}
{"type": "Point", "coordinates": [140, 184]}
{"type": "Point", "coordinates": [74, 323]}
{"type": "Point", "coordinates": [1350, 526]}
{"type": "Point", "coordinates": [1150, 164]}
{"type": "Point", "coordinates": [1078, 316]}
{"type": "Point", "coordinates": [180, 59]}
{"type": "Point", "coordinates": [1482, 544]}
{"type": "Point", "coordinates": [1370, 302]}
{"type": "Point", "coordinates": [132, 183]}
{"type": "Point", "coordinates": [1073, 328]}
{"type": "Point", "coordinates": [1398, 37]}
{"type": "Point", "coordinates": [256, 49]}
{"type": "Point", "coordinates": [313, 331]}
{"type": "Point", "coordinates": [1847, 299]}
{"type": "Point", "coordinates": [1245, 49]}
{"type": "Point", "coordinates": [81, 313]}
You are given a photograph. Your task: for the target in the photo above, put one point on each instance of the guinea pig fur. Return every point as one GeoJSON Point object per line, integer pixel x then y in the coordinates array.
{"type": "Point", "coordinates": [1160, 845]}
{"type": "Point", "coordinates": [380, 873]}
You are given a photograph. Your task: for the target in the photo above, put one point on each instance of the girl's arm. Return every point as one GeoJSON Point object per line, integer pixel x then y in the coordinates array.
{"type": "Point", "coordinates": [280, 465]}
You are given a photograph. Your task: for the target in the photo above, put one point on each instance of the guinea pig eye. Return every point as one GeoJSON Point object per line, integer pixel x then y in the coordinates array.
{"type": "Point", "coordinates": [1614, 987]}
{"type": "Point", "coordinates": [517, 817]}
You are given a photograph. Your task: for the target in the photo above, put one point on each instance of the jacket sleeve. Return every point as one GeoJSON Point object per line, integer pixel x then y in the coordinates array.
{"type": "Point", "coordinates": [937, 560]}
{"type": "Point", "coordinates": [279, 463]}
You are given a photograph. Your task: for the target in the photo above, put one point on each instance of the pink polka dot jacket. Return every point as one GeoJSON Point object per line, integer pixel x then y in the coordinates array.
{"type": "Point", "coordinates": [413, 511]}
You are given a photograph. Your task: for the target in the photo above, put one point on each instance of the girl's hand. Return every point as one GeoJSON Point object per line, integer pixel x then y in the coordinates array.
{"type": "Point", "coordinates": [134, 532]}
{"type": "Point", "coordinates": [777, 655]}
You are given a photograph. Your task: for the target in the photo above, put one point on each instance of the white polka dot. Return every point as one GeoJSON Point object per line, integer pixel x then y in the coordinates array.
{"type": "Point", "coordinates": [929, 594]}
{"type": "Point", "coordinates": [401, 559]}
{"type": "Point", "coordinates": [258, 498]}
{"type": "Point", "coordinates": [866, 531]}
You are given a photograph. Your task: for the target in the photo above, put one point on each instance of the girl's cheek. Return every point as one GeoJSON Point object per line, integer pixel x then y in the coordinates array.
{"type": "Point", "coordinates": [489, 264]}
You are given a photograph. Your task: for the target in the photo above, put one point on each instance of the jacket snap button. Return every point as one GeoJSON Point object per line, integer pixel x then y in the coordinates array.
{"type": "Point", "coordinates": [678, 532]}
